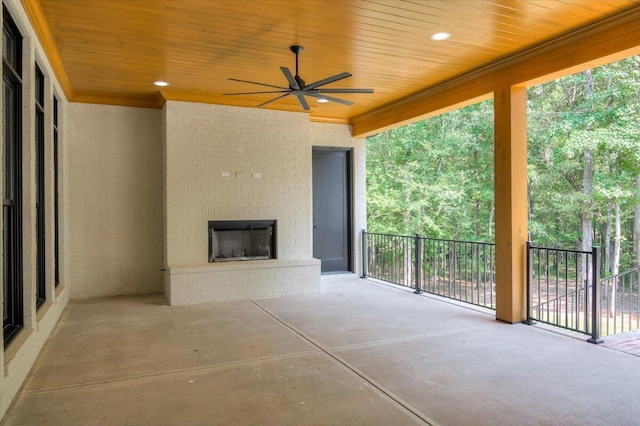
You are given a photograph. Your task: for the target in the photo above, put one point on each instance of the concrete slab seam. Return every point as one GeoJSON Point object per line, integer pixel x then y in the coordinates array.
{"type": "Point", "coordinates": [396, 400]}
{"type": "Point", "coordinates": [405, 339]}
{"type": "Point", "coordinates": [172, 372]}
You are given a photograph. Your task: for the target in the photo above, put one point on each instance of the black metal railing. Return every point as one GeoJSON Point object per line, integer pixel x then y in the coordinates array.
{"type": "Point", "coordinates": [621, 302]}
{"type": "Point", "coordinates": [390, 258]}
{"type": "Point", "coordinates": [460, 270]}
{"type": "Point", "coordinates": [563, 288]}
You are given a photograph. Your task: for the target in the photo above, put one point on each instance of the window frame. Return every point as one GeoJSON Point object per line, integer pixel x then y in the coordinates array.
{"type": "Point", "coordinates": [56, 201]}
{"type": "Point", "coordinates": [13, 319]}
{"type": "Point", "coordinates": [40, 189]}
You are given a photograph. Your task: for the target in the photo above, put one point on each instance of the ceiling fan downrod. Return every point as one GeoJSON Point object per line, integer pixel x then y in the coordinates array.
{"type": "Point", "coordinates": [296, 51]}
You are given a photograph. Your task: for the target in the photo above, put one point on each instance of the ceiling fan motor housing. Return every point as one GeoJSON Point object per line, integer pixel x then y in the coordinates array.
{"type": "Point", "coordinates": [300, 82]}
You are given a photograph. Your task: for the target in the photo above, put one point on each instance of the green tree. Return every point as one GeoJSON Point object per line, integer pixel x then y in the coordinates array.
{"type": "Point", "coordinates": [435, 177]}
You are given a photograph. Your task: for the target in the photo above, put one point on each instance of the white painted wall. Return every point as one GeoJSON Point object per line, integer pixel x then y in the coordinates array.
{"type": "Point", "coordinates": [115, 200]}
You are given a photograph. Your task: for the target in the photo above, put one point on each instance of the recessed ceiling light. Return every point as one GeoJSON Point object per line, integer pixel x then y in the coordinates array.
{"type": "Point", "coordinates": [322, 101]}
{"type": "Point", "coordinates": [440, 36]}
{"type": "Point", "coordinates": [161, 83]}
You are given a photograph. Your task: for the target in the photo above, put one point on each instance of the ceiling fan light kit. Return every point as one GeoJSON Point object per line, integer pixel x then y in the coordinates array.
{"type": "Point", "coordinates": [299, 89]}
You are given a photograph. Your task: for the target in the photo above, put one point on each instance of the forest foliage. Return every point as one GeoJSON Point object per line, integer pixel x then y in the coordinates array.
{"type": "Point", "coordinates": [435, 177]}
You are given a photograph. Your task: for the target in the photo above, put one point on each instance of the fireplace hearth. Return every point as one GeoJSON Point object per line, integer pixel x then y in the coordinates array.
{"type": "Point", "coordinates": [241, 240]}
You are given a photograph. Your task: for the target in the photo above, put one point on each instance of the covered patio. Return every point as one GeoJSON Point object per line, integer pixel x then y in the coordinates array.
{"type": "Point", "coordinates": [358, 353]}
{"type": "Point", "coordinates": [112, 182]}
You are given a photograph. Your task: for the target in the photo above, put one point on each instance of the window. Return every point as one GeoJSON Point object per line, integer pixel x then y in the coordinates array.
{"type": "Point", "coordinates": [41, 279]}
{"type": "Point", "coordinates": [56, 237]}
{"type": "Point", "coordinates": [12, 170]}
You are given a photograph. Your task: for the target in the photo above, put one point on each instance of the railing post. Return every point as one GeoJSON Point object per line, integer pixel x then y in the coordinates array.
{"type": "Point", "coordinates": [365, 258]}
{"type": "Point", "coordinates": [418, 266]}
{"type": "Point", "coordinates": [529, 266]}
{"type": "Point", "coordinates": [596, 313]}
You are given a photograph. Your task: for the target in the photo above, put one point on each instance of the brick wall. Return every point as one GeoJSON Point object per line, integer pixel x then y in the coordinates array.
{"type": "Point", "coordinates": [142, 180]}
{"type": "Point", "coordinates": [17, 358]}
{"type": "Point", "coordinates": [202, 142]}
{"type": "Point", "coordinates": [115, 200]}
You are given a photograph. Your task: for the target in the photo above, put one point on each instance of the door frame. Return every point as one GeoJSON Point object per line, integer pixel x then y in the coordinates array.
{"type": "Point", "coordinates": [350, 197]}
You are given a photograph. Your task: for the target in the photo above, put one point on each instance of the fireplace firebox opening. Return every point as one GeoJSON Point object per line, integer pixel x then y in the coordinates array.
{"type": "Point", "coordinates": [236, 240]}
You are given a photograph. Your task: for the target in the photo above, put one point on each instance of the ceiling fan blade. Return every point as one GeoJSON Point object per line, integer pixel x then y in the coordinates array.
{"type": "Point", "coordinates": [343, 90]}
{"type": "Point", "coordinates": [259, 84]}
{"type": "Point", "coordinates": [292, 81]}
{"type": "Point", "coordinates": [327, 80]}
{"type": "Point", "coordinates": [274, 99]}
{"type": "Point", "coordinates": [303, 102]}
{"type": "Point", "coordinates": [331, 99]}
{"type": "Point", "coordinates": [254, 93]}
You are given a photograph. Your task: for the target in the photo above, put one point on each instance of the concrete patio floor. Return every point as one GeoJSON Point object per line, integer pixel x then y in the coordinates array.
{"type": "Point", "coordinates": [360, 353]}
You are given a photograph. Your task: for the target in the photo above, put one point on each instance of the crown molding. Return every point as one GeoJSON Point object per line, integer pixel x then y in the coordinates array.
{"type": "Point", "coordinates": [34, 12]}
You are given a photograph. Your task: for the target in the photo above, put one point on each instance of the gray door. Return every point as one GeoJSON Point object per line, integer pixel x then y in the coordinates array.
{"type": "Point", "coordinates": [331, 209]}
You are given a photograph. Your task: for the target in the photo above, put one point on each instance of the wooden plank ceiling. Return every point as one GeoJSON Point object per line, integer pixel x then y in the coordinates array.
{"type": "Point", "coordinates": [110, 51]}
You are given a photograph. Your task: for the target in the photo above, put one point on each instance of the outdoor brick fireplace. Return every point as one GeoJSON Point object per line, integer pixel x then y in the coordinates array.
{"type": "Point", "coordinates": [238, 206]}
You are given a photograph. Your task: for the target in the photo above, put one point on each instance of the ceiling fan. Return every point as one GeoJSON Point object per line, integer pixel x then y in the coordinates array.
{"type": "Point", "coordinates": [299, 89]}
